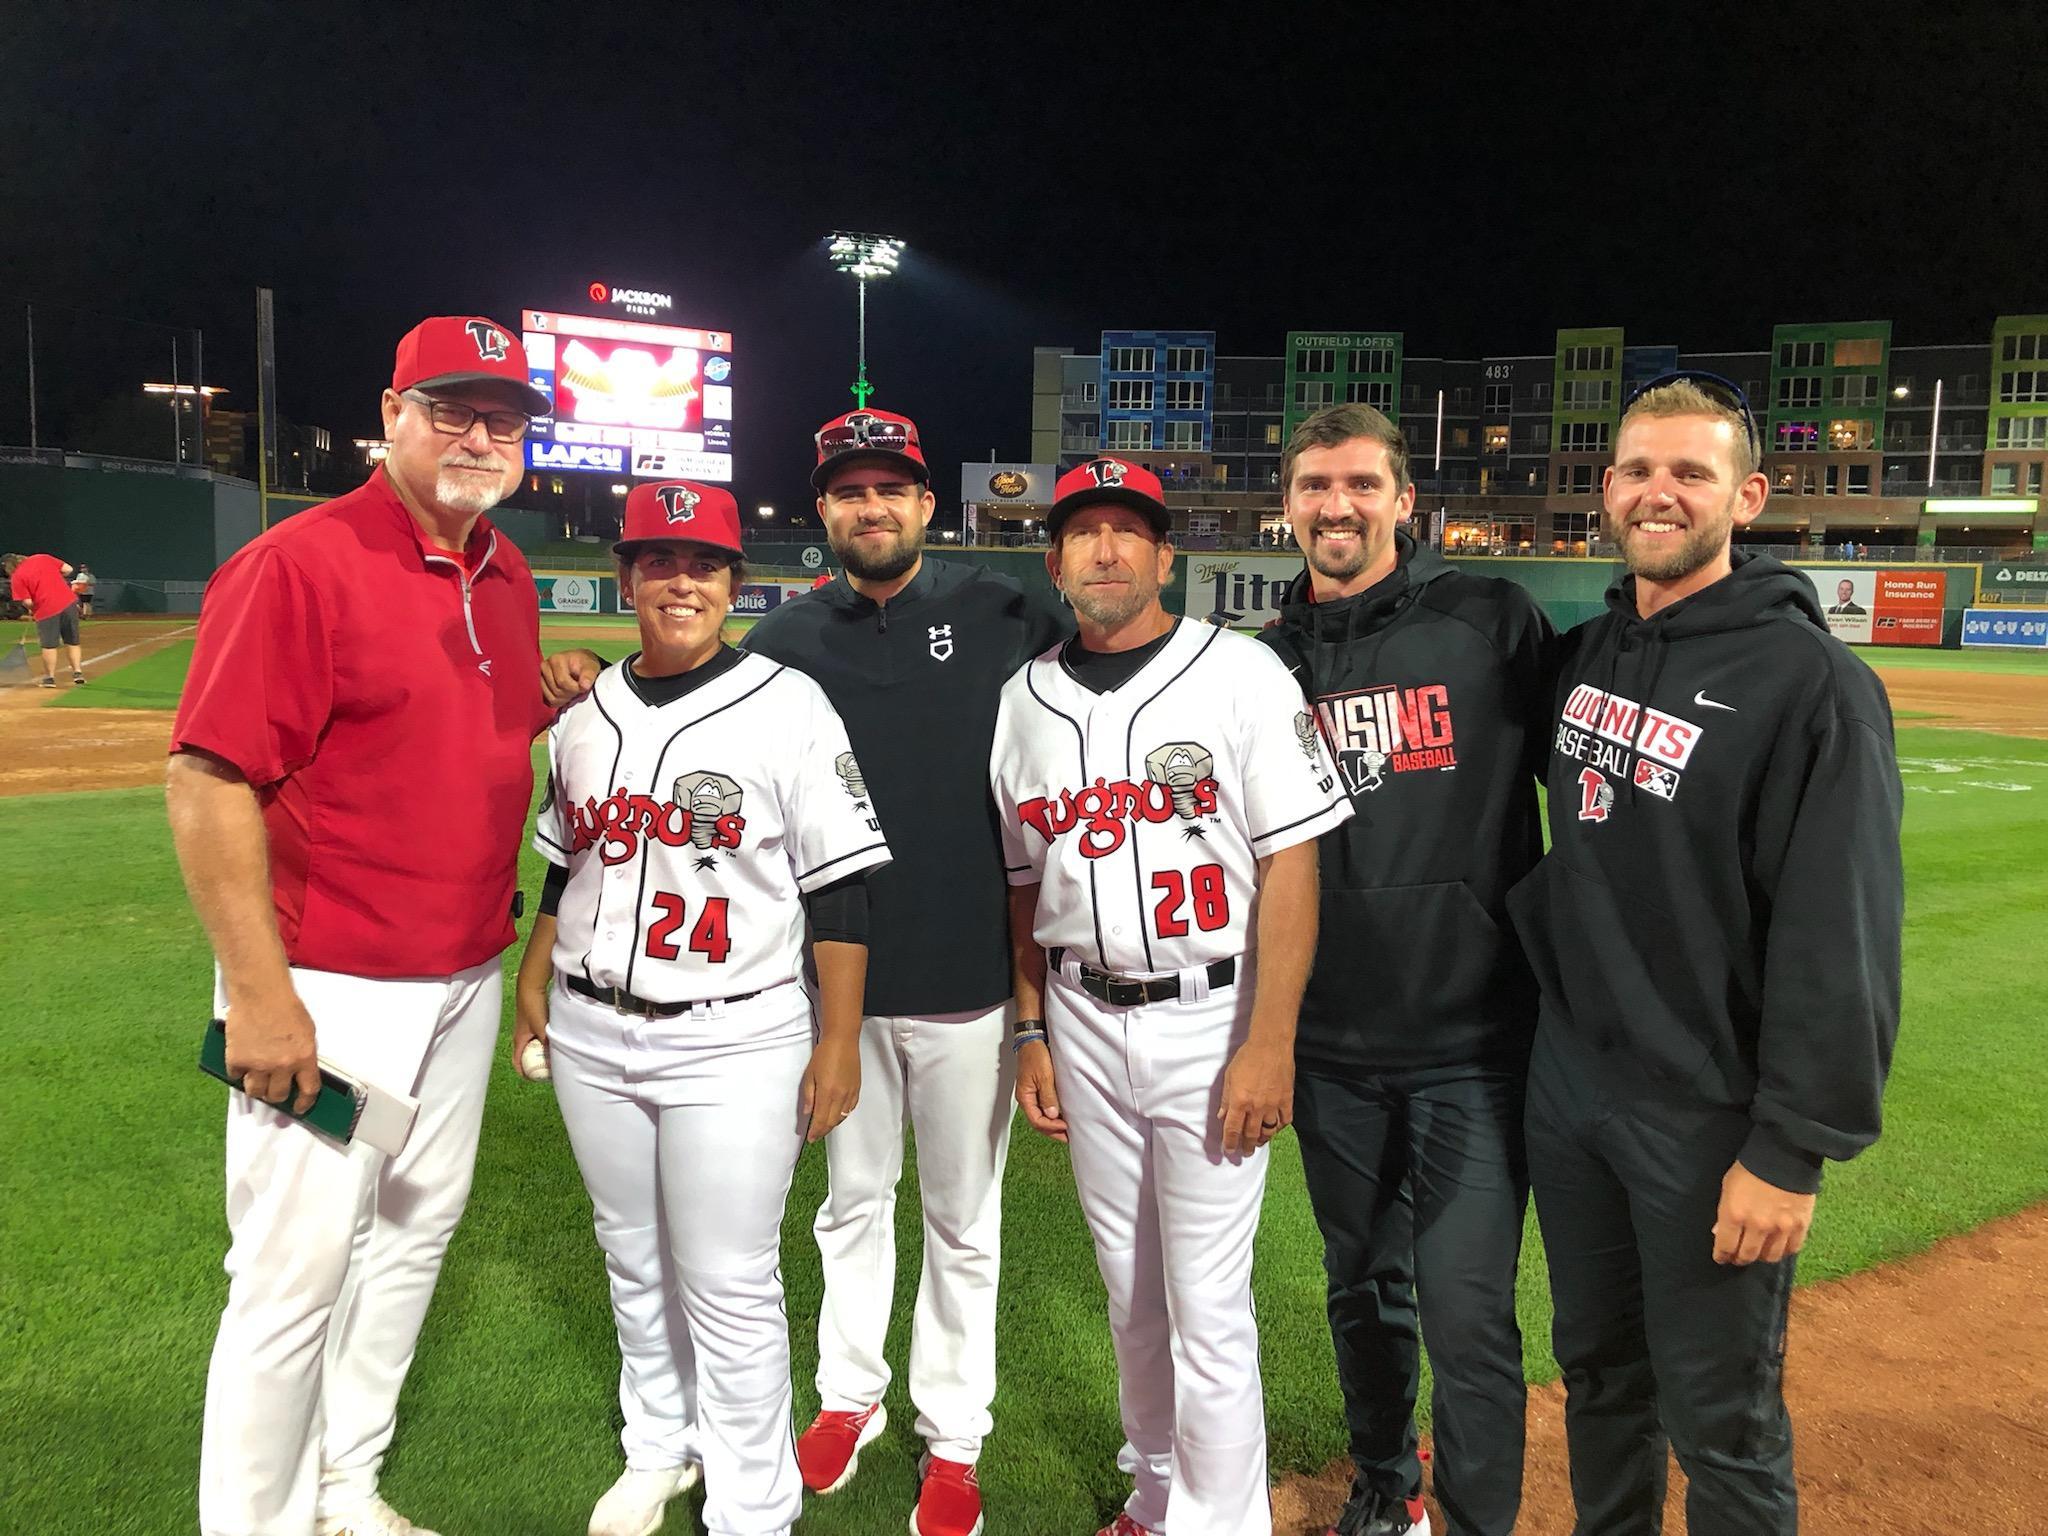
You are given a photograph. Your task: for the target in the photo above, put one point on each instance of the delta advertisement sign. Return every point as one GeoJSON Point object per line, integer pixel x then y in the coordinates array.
{"type": "Point", "coordinates": [1865, 605]}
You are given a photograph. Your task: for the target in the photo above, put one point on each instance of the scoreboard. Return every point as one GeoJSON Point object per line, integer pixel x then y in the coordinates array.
{"type": "Point", "coordinates": [630, 398]}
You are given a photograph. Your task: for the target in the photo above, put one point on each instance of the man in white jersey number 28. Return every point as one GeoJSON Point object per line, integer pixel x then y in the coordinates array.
{"type": "Point", "coordinates": [1160, 790]}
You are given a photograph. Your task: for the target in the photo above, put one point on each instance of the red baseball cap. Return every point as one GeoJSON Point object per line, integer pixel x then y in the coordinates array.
{"type": "Point", "coordinates": [446, 350]}
{"type": "Point", "coordinates": [868, 434]}
{"type": "Point", "coordinates": [1108, 480]}
{"type": "Point", "coordinates": [681, 510]}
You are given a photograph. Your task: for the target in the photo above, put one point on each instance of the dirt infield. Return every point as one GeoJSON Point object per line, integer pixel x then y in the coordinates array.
{"type": "Point", "coordinates": [1919, 1396]}
{"type": "Point", "coordinates": [44, 751]}
{"type": "Point", "coordinates": [2012, 704]}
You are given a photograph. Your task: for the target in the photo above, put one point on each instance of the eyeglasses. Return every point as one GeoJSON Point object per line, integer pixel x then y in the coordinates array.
{"type": "Point", "coordinates": [1722, 391]}
{"type": "Point", "coordinates": [455, 418]}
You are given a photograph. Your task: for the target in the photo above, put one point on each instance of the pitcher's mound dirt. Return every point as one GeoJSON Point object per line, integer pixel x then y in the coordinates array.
{"type": "Point", "coordinates": [1919, 1395]}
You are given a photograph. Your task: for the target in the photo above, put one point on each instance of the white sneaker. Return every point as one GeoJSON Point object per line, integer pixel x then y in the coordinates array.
{"type": "Point", "coordinates": [634, 1505]}
{"type": "Point", "coordinates": [375, 1518]}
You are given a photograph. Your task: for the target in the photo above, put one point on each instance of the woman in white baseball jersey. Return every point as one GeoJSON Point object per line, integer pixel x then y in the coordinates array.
{"type": "Point", "coordinates": [700, 800]}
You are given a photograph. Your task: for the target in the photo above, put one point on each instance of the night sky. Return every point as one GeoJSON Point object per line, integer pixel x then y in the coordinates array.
{"type": "Point", "coordinates": [1476, 179]}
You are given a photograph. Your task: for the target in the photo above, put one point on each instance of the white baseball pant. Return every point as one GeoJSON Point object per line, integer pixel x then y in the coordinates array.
{"type": "Point", "coordinates": [949, 1076]}
{"type": "Point", "coordinates": [1173, 1220]}
{"type": "Point", "coordinates": [687, 1131]}
{"type": "Point", "coordinates": [334, 1253]}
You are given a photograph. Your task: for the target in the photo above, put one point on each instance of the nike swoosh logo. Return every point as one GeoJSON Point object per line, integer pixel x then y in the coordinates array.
{"type": "Point", "coordinates": [1700, 698]}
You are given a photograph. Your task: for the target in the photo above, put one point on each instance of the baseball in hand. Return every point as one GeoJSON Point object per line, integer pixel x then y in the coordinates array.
{"type": "Point", "coordinates": [533, 1062]}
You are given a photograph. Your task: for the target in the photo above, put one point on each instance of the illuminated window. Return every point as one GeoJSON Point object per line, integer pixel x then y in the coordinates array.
{"type": "Point", "coordinates": [1273, 434]}
{"type": "Point", "coordinates": [1849, 436]}
{"type": "Point", "coordinates": [2005, 479]}
{"type": "Point", "coordinates": [1461, 437]}
{"type": "Point", "coordinates": [1797, 437]}
{"type": "Point", "coordinates": [1859, 352]}
{"type": "Point", "coordinates": [1496, 440]}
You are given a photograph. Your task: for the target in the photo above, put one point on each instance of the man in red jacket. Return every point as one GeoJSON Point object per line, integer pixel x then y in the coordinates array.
{"type": "Point", "coordinates": [44, 583]}
{"type": "Point", "coordinates": [349, 778]}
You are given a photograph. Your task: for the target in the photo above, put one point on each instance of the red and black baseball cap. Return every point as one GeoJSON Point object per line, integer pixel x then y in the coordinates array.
{"type": "Point", "coordinates": [445, 350]}
{"type": "Point", "coordinates": [866, 434]}
{"type": "Point", "coordinates": [682, 510]}
{"type": "Point", "coordinates": [1108, 480]}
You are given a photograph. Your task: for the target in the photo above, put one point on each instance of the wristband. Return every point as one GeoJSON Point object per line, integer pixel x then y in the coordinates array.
{"type": "Point", "coordinates": [1024, 1037]}
{"type": "Point", "coordinates": [1023, 1026]}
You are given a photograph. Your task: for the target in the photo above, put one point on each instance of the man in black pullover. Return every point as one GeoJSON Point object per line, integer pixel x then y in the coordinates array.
{"type": "Point", "coordinates": [1429, 686]}
{"type": "Point", "coordinates": [913, 654]}
{"type": "Point", "coordinates": [1716, 934]}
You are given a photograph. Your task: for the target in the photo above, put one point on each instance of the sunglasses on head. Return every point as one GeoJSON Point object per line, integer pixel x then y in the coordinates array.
{"type": "Point", "coordinates": [1723, 391]}
{"type": "Point", "coordinates": [888, 436]}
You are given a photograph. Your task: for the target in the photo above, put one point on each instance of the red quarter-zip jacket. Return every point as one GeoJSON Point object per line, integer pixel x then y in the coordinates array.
{"type": "Point", "coordinates": [382, 696]}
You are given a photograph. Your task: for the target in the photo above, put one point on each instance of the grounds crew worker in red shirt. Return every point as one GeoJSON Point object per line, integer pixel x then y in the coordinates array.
{"type": "Point", "coordinates": [44, 583]}
{"type": "Point", "coordinates": [349, 780]}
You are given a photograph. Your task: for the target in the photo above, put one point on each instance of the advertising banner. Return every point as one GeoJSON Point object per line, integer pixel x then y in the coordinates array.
{"type": "Point", "coordinates": [1241, 591]}
{"type": "Point", "coordinates": [1868, 605]}
{"type": "Point", "coordinates": [570, 594]}
{"type": "Point", "coordinates": [1019, 485]}
{"type": "Point", "coordinates": [2017, 628]}
{"type": "Point", "coordinates": [752, 600]}
{"type": "Point", "coordinates": [2014, 581]}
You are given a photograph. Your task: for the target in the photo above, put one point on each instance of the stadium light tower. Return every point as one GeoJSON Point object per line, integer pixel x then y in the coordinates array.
{"type": "Point", "coordinates": [866, 259]}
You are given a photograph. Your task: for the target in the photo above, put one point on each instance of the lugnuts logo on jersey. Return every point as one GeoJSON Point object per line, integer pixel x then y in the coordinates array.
{"type": "Point", "coordinates": [703, 812]}
{"type": "Point", "coordinates": [1180, 781]}
{"type": "Point", "coordinates": [679, 502]}
{"type": "Point", "coordinates": [491, 343]}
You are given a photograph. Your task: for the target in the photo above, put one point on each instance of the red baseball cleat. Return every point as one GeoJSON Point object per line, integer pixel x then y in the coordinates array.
{"type": "Point", "coordinates": [1123, 1525]}
{"type": "Point", "coordinates": [948, 1499]}
{"type": "Point", "coordinates": [828, 1453]}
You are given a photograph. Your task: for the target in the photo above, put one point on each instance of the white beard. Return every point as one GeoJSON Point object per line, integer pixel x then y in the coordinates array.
{"type": "Point", "coordinates": [462, 492]}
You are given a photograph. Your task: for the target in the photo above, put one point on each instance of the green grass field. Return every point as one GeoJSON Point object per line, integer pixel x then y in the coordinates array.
{"type": "Point", "coordinates": [111, 1225]}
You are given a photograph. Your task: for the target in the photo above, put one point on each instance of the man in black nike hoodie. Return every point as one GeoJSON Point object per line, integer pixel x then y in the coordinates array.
{"type": "Point", "coordinates": [1716, 934]}
{"type": "Point", "coordinates": [1429, 685]}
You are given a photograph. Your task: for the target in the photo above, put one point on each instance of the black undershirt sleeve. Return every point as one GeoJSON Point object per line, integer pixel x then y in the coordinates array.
{"type": "Point", "coordinates": [839, 911]}
{"type": "Point", "coordinates": [551, 889]}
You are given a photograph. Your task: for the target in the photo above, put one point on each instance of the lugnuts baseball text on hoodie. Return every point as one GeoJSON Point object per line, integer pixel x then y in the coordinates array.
{"type": "Point", "coordinates": [1719, 912]}
{"type": "Point", "coordinates": [1431, 689]}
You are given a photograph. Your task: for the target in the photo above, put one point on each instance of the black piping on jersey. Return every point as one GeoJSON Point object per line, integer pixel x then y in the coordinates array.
{"type": "Point", "coordinates": [1260, 837]}
{"type": "Point", "coordinates": [1131, 735]}
{"type": "Point", "coordinates": [617, 757]}
{"type": "Point", "coordinates": [870, 848]}
{"type": "Point", "coordinates": [640, 896]}
{"type": "Point", "coordinates": [1081, 748]}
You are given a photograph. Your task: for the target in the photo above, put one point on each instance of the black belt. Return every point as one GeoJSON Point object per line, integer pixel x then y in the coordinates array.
{"type": "Point", "coordinates": [625, 1002]}
{"type": "Point", "coordinates": [1129, 991]}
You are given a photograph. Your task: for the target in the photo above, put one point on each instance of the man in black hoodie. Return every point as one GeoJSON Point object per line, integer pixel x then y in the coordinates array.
{"type": "Point", "coordinates": [1716, 934]}
{"type": "Point", "coordinates": [1429, 685]}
